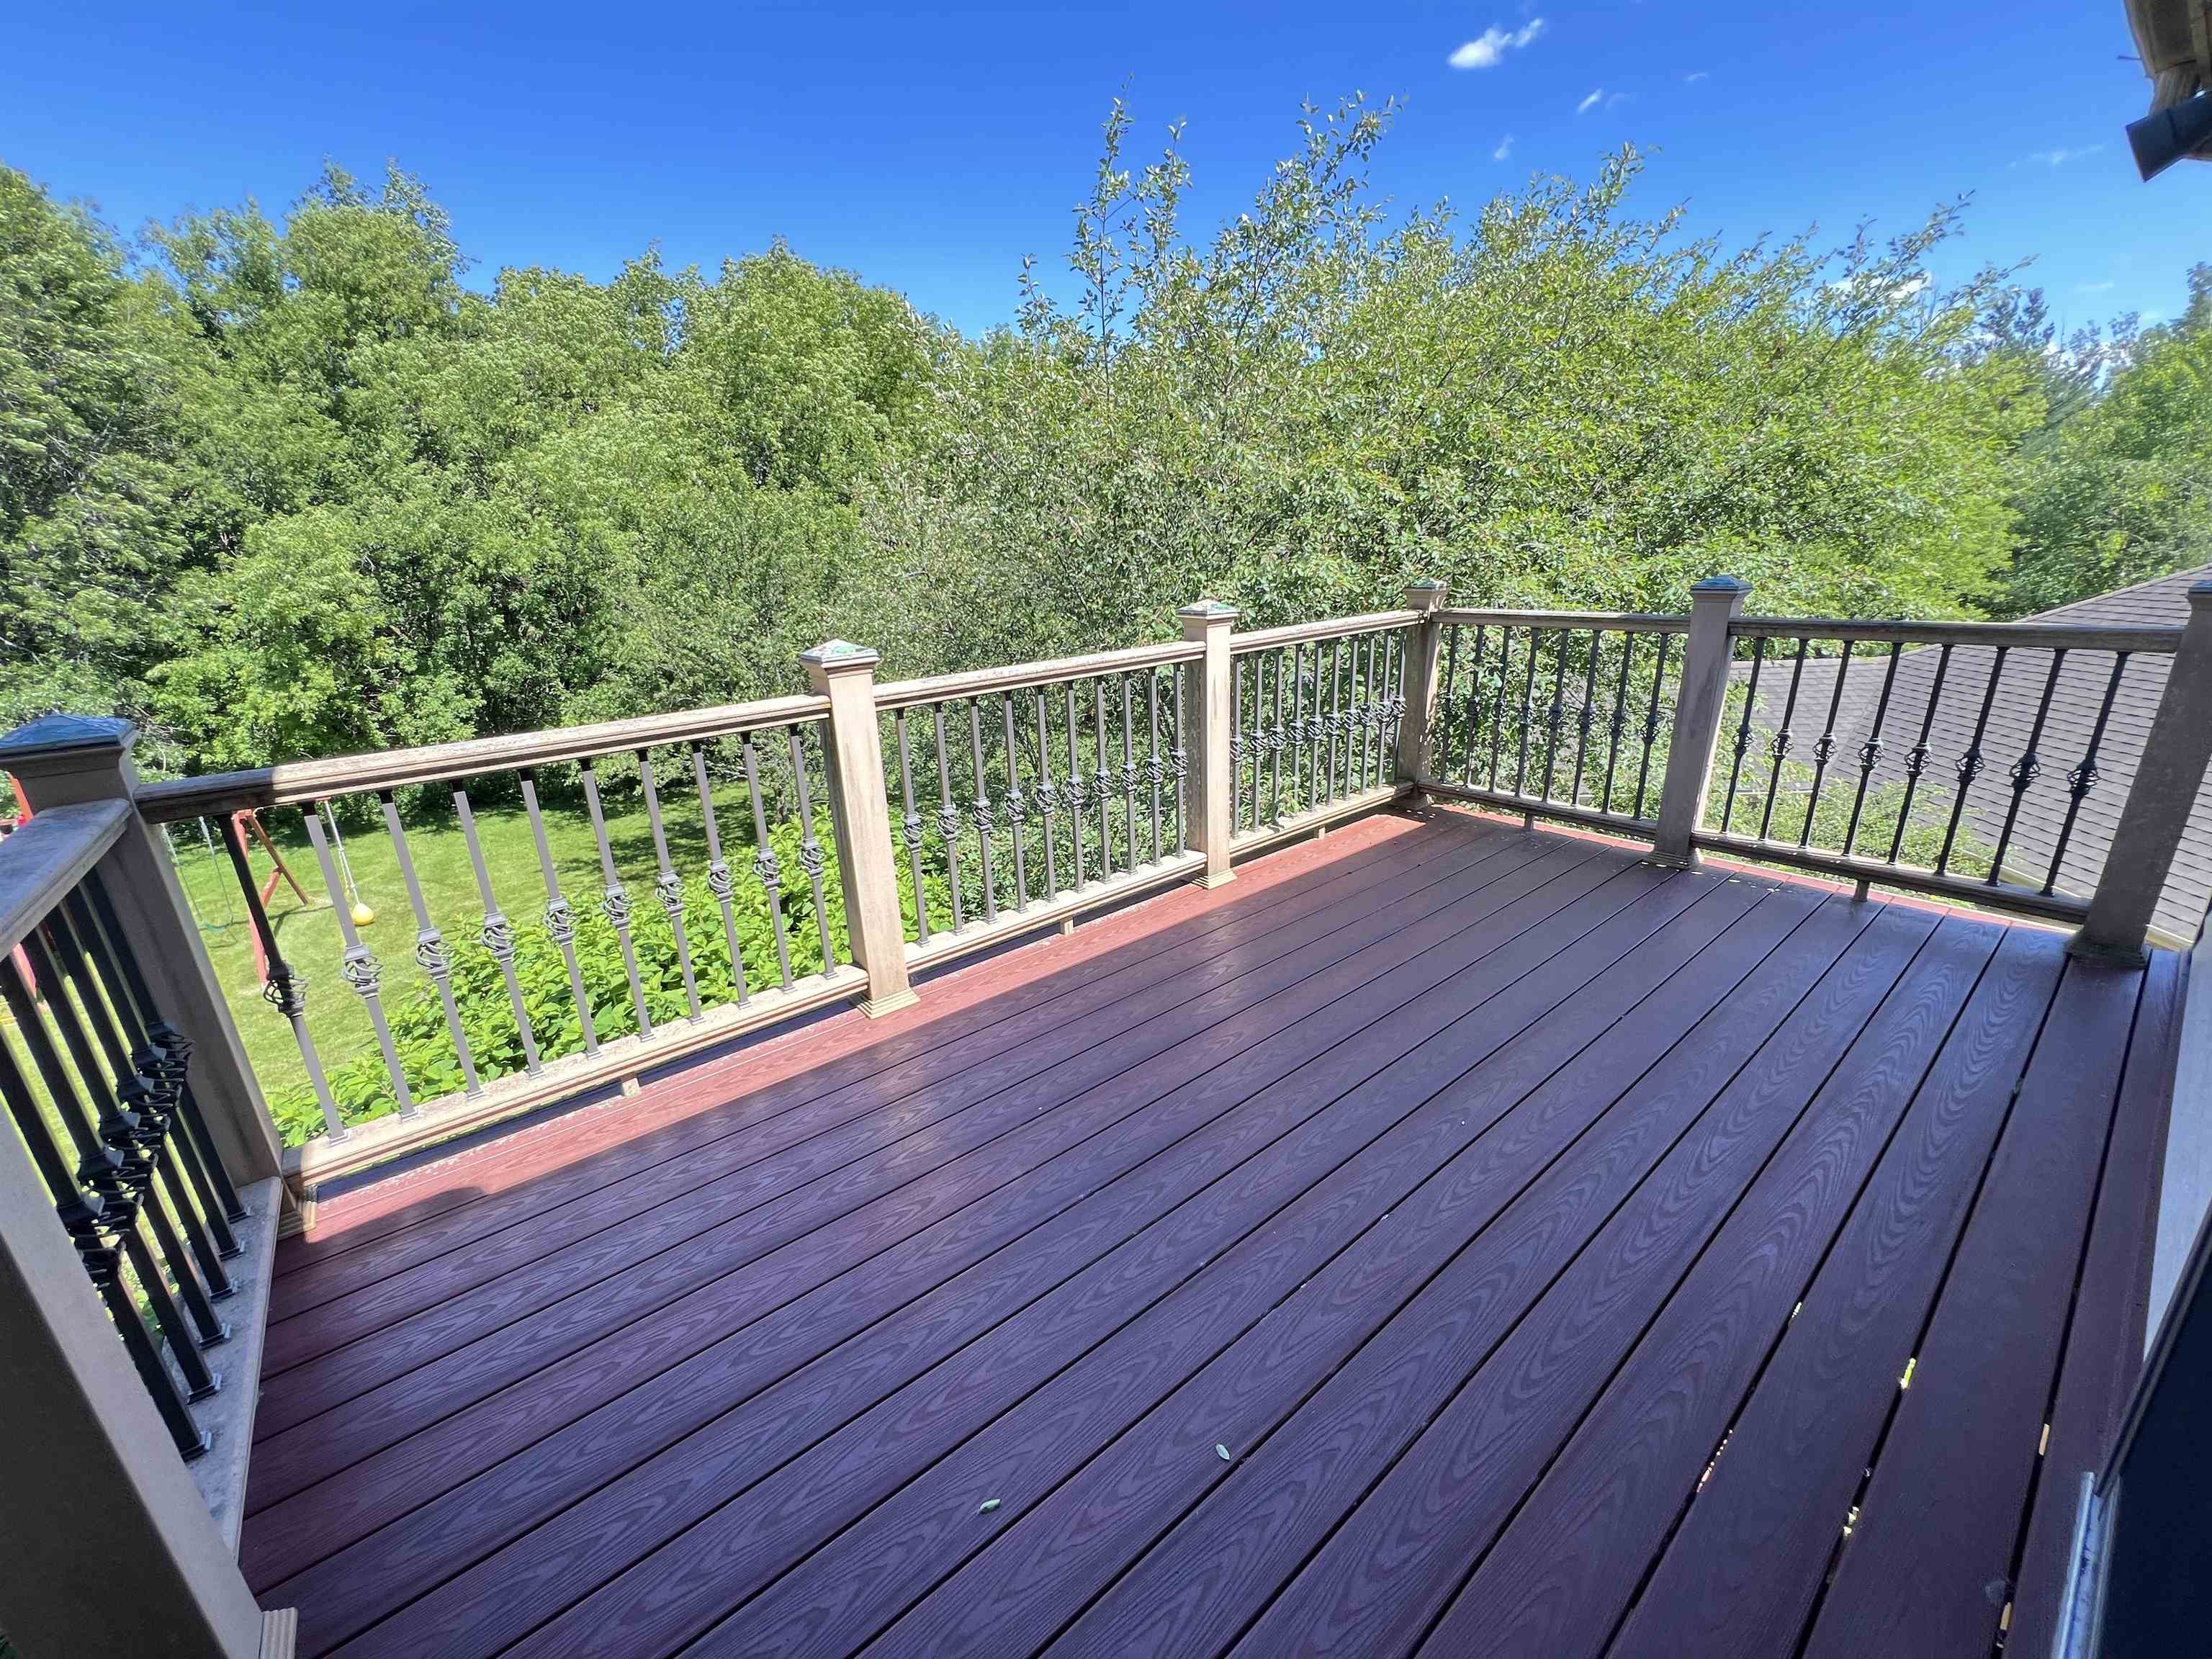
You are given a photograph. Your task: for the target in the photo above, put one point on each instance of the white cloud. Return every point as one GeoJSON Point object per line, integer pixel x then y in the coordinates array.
{"type": "Point", "coordinates": [1617, 98]}
{"type": "Point", "coordinates": [1505, 149]}
{"type": "Point", "coordinates": [2059, 158]}
{"type": "Point", "coordinates": [1694, 77]}
{"type": "Point", "coordinates": [2095, 287]}
{"type": "Point", "coordinates": [1590, 102]}
{"type": "Point", "coordinates": [1488, 49]}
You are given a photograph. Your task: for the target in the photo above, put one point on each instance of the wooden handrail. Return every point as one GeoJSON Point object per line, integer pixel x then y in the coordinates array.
{"type": "Point", "coordinates": [1610, 622]}
{"type": "Point", "coordinates": [981, 681]}
{"type": "Point", "coordinates": [1334, 627]}
{"type": "Point", "coordinates": [2020, 636]}
{"type": "Point", "coordinates": [41, 863]}
{"type": "Point", "coordinates": [297, 782]}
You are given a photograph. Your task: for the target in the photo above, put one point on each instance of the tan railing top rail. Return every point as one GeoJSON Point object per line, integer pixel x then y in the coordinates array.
{"type": "Point", "coordinates": [983, 682]}
{"type": "Point", "coordinates": [2020, 636]}
{"type": "Point", "coordinates": [1609, 622]}
{"type": "Point", "coordinates": [1335, 628]}
{"type": "Point", "coordinates": [42, 862]}
{"type": "Point", "coordinates": [298, 781]}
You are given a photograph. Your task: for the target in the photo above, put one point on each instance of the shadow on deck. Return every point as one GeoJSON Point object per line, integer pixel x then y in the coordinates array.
{"type": "Point", "coordinates": [1449, 1238]}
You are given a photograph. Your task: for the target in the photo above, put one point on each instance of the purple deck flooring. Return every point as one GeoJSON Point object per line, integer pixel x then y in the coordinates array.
{"type": "Point", "coordinates": [1452, 1239]}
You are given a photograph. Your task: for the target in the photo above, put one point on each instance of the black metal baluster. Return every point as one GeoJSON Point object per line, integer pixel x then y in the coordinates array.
{"type": "Point", "coordinates": [1498, 703]}
{"type": "Point", "coordinates": [1155, 767]}
{"type": "Point", "coordinates": [948, 817]}
{"type": "Point", "coordinates": [282, 988]}
{"type": "Point", "coordinates": [979, 812]}
{"type": "Point", "coordinates": [1555, 714]}
{"type": "Point", "coordinates": [1048, 797]}
{"type": "Point", "coordinates": [614, 905]}
{"type": "Point", "coordinates": [1101, 780]}
{"type": "Point", "coordinates": [1616, 725]}
{"type": "Point", "coordinates": [1473, 704]}
{"type": "Point", "coordinates": [910, 830]}
{"type": "Point", "coordinates": [722, 883]}
{"type": "Point", "coordinates": [1870, 750]}
{"type": "Point", "coordinates": [1915, 758]}
{"type": "Point", "coordinates": [812, 858]}
{"type": "Point", "coordinates": [768, 869]}
{"type": "Point", "coordinates": [1782, 740]}
{"type": "Point", "coordinates": [1584, 716]}
{"type": "Point", "coordinates": [2028, 768]}
{"type": "Point", "coordinates": [106, 1162]}
{"type": "Point", "coordinates": [667, 889]}
{"type": "Point", "coordinates": [1743, 731]}
{"type": "Point", "coordinates": [1825, 745]}
{"type": "Point", "coordinates": [1018, 805]}
{"type": "Point", "coordinates": [1237, 745]}
{"type": "Point", "coordinates": [1076, 794]}
{"type": "Point", "coordinates": [1180, 759]}
{"type": "Point", "coordinates": [1275, 745]}
{"type": "Point", "coordinates": [1128, 778]}
{"type": "Point", "coordinates": [1651, 724]}
{"type": "Point", "coordinates": [1970, 764]}
{"type": "Point", "coordinates": [2083, 777]}
{"type": "Point", "coordinates": [161, 1049]}
{"type": "Point", "coordinates": [560, 916]}
{"type": "Point", "coordinates": [1440, 768]}
{"type": "Point", "coordinates": [91, 1224]}
{"type": "Point", "coordinates": [1528, 715]}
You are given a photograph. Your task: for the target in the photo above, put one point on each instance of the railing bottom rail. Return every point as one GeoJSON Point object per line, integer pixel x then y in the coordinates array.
{"type": "Point", "coordinates": [1995, 895]}
{"type": "Point", "coordinates": [619, 1060]}
{"type": "Point", "coordinates": [1588, 817]}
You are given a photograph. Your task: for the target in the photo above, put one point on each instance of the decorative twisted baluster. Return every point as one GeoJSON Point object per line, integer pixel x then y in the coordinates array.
{"type": "Point", "coordinates": [1555, 715]}
{"type": "Point", "coordinates": [1075, 795]}
{"type": "Point", "coordinates": [1155, 767]}
{"type": "Point", "coordinates": [359, 968]}
{"type": "Point", "coordinates": [1743, 731]}
{"type": "Point", "coordinates": [948, 817]}
{"type": "Point", "coordinates": [1101, 780]}
{"type": "Point", "coordinates": [1652, 724]}
{"type": "Point", "coordinates": [2082, 777]}
{"type": "Point", "coordinates": [1915, 758]}
{"type": "Point", "coordinates": [1017, 805]}
{"type": "Point", "coordinates": [2028, 768]}
{"type": "Point", "coordinates": [1128, 777]}
{"type": "Point", "coordinates": [1278, 740]}
{"type": "Point", "coordinates": [1585, 717]}
{"type": "Point", "coordinates": [979, 810]}
{"type": "Point", "coordinates": [1238, 748]}
{"type": "Point", "coordinates": [1616, 723]}
{"type": "Point", "coordinates": [1048, 797]}
{"type": "Point", "coordinates": [722, 881]}
{"type": "Point", "coordinates": [559, 918]}
{"type": "Point", "coordinates": [430, 953]}
{"type": "Point", "coordinates": [1969, 765]}
{"type": "Point", "coordinates": [497, 933]}
{"type": "Point", "coordinates": [1333, 731]}
{"type": "Point", "coordinates": [1823, 747]}
{"type": "Point", "coordinates": [1779, 745]}
{"type": "Point", "coordinates": [1528, 715]}
{"type": "Point", "coordinates": [282, 988]}
{"type": "Point", "coordinates": [95, 1231]}
{"type": "Point", "coordinates": [1180, 758]}
{"type": "Point", "coordinates": [770, 873]}
{"type": "Point", "coordinates": [614, 899]}
{"type": "Point", "coordinates": [812, 858]}
{"type": "Point", "coordinates": [911, 829]}
{"type": "Point", "coordinates": [668, 886]}
{"type": "Point", "coordinates": [1870, 751]}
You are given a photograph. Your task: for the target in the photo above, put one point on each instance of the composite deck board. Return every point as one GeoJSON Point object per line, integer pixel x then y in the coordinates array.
{"type": "Point", "coordinates": [1559, 1583]}
{"type": "Point", "coordinates": [1257, 1100]}
{"type": "Point", "coordinates": [867, 1112]}
{"type": "Point", "coordinates": [1459, 1179]}
{"type": "Point", "coordinates": [987, 1136]}
{"type": "Point", "coordinates": [595, 1539]}
{"type": "Point", "coordinates": [1742, 1571]}
{"type": "Point", "coordinates": [2105, 1347]}
{"type": "Point", "coordinates": [1927, 1566]}
{"type": "Point", "coordinates": [379, 1239]}
{"type": "Point", "coordinates": [1430, 1498]}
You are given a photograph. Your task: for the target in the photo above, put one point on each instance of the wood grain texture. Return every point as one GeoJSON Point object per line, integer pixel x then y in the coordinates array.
{"type": "Point", "coordinates": [1374, 1584]}
{"type": "Point", "coordinates": [986, 1137]}
{"type": "Point", "coordinates": [2104, 1348]}
{"type": "Point", "coordinates": [1561, 1578]}
{"type": "Point", "coordinates": [1927, 1568]}
{"type": "Point", "coordinates": [1460, 1184]}
{"type": "Point", "coordinates": [1061, 1218]}
{"type": "Point", "coordinates": [594, 1539]}
{"type": "Point", "coordinates": [1739, 1576]}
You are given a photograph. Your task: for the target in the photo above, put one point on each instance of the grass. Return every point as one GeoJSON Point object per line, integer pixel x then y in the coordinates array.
{"type": "Point", "coordinates": [307, 933]}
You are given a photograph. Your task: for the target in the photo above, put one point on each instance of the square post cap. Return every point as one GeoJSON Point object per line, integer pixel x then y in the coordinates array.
{"type": "Point", "coordinates": [1719, 587]}
{"type": "Point", "coordinates": [1204, 617]}
{"type": "Point", "coordinates": [1425, 595]}
{"type": "Point", "coordinates": [835, 659]}
{"type": "Point", "coordinates": [67, 738]}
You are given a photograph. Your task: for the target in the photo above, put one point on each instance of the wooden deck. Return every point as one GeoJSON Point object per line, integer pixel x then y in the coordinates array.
{"type": "Point", "coordinates": [1448, 1239]}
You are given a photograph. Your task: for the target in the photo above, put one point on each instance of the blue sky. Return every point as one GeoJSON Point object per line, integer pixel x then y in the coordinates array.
{"type": "Point", "coordinates": [930, 150]}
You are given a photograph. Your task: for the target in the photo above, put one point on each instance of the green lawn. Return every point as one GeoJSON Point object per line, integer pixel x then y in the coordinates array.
{"type": "Point", "coordinates": [309, 935]}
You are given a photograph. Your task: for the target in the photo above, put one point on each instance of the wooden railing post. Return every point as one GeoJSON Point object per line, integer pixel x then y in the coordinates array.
{"type": "Point", "coordinates": [1703, 694]}
{"type": "Point", "coordinates": [64, 759]}
{"type": "Point", "coordinates": [846, 674]}
{"type": "Point", "coordinates": [105, 1543]}
{"type": "Point", "coordinates": [1209, 813]}
{"type": "Point", "coordinates": [2167, 778]}
{"type": "Point", "coordinates": [1417, 731]}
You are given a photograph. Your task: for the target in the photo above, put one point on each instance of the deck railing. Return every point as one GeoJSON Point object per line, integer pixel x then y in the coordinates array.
{"type": "Point", "coordinates": [805, 850]}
